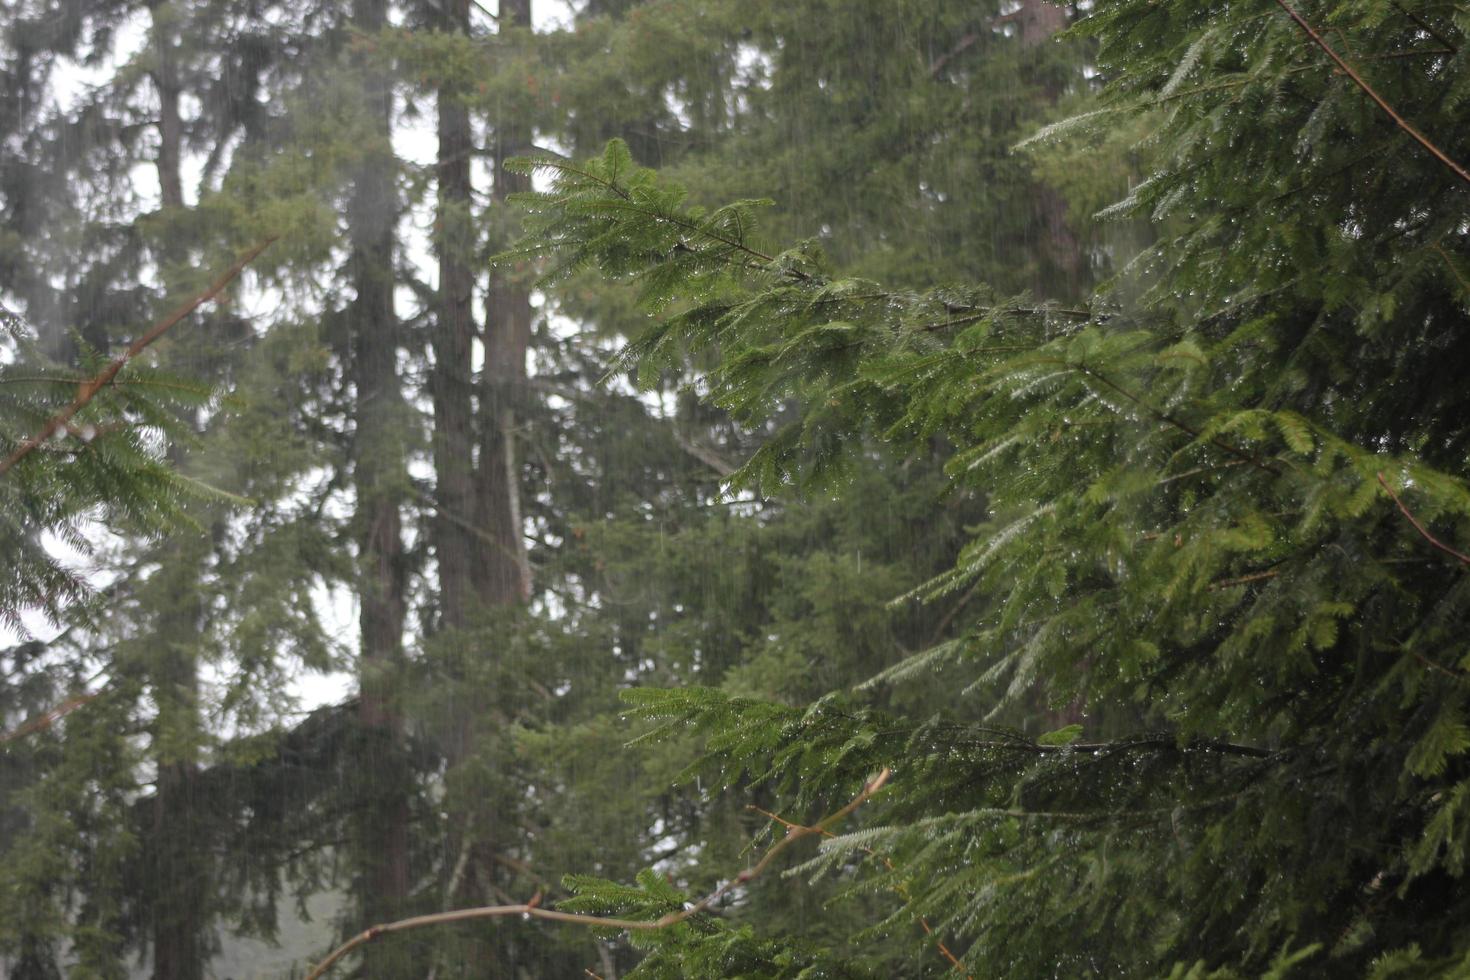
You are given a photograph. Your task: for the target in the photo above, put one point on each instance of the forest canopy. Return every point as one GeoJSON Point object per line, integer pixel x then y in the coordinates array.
{"type": "Point", "coordinates": [735, 489]}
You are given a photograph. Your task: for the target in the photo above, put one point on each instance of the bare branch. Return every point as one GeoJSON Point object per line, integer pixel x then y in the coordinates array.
{"type": "Point", "coordinates": [533, 909]}
{"type": "Point", "coordinates": [1463, 558]}
{"type": "Point", "coordinates": [89, 388]}
{"type": "Point", "coordinates": [1230, 583]}
{"type": "Point", "coordinates": [900, 887]}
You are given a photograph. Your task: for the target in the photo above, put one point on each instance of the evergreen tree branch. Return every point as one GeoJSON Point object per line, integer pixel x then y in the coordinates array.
{"type": "Point", "coordinates": [1400, 121]}
{"type": "Point", "coordinates": [1235, 83]}
{"type": "Point", "coordinates": [1162, 416]}
{"type": "Point", "coordinates": [533, 909]}
{"type": "Point", "coordinates": [629, 204]}
{"type": "Point", "coordinates": [1012, 742]}
{"type": "Point", "coordinates": [754, 255]}
{"type": "Point", "coordinates": [1463, 558]}
{"type": "Point", "coordinates": [1450, 265]}
{"type": "Point", "coordinates": [1426, 27]}
{"type": "Point", "coordinates": [901, 888]}
{"type": "Point", "coordinates": [89, 389]}
{"type": "Point", "coordinates": [1228, 583]}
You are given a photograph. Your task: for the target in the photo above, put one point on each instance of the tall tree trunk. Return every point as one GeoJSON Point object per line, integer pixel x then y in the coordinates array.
{"type": "Point", "coordinates": [380, 481]}
{"type": "Point", "coordinates": [457, 549]}
{"type": "Point", "coordinates": [504, 571]}
{"type": "Point", "coordinates": [496, 569]}
{"type": "Point", "coordinates": [178, 869]}
{"type": "Point", "coordinates": [451, 382]}
{"type": "Point", "coordinates": [170, 121]}
{"type": "Point", "coordinates": [1038, 21]}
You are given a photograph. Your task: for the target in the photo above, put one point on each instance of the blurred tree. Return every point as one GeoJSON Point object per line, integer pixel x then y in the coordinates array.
{"type": "Point", "coordinates": [403, 443]}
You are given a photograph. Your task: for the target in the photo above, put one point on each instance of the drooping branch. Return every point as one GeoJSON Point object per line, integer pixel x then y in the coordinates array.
{"type": "Point", "coordinates": [685, 224]}
{"type": "Point", "coordinates": [1238, 452]}
{"type": "Point", "coordinates": [533, 909]}
{"type": "Point", "coordinates": [1372, 93]}
{"type": "Point", "coordinates": [901, 888]}
{"type": "Point", "coordinates": [89, 388]}
{"type": "Point", "coordinates": [1463, 558]}
{"type": "Point", "coordinates": [1426, 27]}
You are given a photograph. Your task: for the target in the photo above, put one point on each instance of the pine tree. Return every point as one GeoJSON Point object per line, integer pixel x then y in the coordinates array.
{"type": "Point", "coordinates": [1229, 510]}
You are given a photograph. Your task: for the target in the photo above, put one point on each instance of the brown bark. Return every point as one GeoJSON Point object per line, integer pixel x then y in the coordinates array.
{"type": "Point", "coordinates": [178, 872]}
{"type": "Point", "coordinates": [380, 481]}
{"type": "Point", "coordinates": [1037, 21]}
{"type": "Point", "coordinates": [451, 381]}
{"type": "Point", "coordinates": [452, 389]}
{"type": "Point", "coordinates": [488, 570]}
{"type": "Point", "coordinates": [1060, 246]}
{"type": "Point", "coordinates": [170, 122]}
{"type": "Point", "coordinates": [503, 571]}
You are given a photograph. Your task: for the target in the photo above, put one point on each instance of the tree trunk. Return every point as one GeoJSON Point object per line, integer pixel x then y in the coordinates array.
{"type": "Point", "coordinates": [504, 572]}
{"type": "Point", "coordinates": [380, 480]}
{"type": "Point", "coordinates": [170, 122]}
{"type": "Point", "coordinates": [496, 572]}
{"type": "Point", "coordinates": [179, 869]}
{"type": "Point", "coordinates": [1037, 21]}
{"type": "Point", "coordinates": [451, 382]}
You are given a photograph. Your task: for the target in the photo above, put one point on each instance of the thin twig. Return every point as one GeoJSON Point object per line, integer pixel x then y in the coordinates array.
{"type": "Point", "coordinates": [954, 611]}
{"type": "Point", "coordinates": [722, 467]}
{"type": "Point", "coordinates": [88, 389]}
{"type": "Point", "coordinates": [1449, 264]}
{"type": "Point", "coordinates": [1243, 580]}
{"type": "Point", "coordinates": [1200, 469]}
{"type": "Point", "coordinates": [900, 887]}
{"type": "Point", "coordinates": [1368, 90]}
{"type": "Point", "coordinates": [1243, 455]}
{"type": "Point", "coordinates": [533, 909]}
{"type": "Point", "coordinates": [960, 47]}
{"type": "Point", "coordinates": [1463, 558]}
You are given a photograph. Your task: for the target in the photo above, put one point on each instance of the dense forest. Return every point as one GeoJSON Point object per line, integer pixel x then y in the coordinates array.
{"type": "Point", "coordinates": [734, 488]}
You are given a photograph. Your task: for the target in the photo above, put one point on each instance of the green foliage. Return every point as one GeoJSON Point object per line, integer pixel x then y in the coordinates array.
{"type": "Point", "coordinates": [1145, 600]}
{"type": "Point", "coordinates": [1187, 525]}
{"type": "Point", "coordinates": [106, 466]}
{"type": "Point", "coordinates": [700, 946]}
